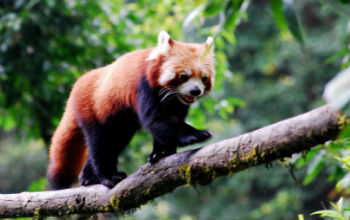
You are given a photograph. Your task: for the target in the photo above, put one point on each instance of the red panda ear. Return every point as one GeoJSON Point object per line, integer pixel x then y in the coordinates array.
{"type": "Point", "coordinates": [209, 43]}
{"type": "Point", "coordinates": [164, 42]}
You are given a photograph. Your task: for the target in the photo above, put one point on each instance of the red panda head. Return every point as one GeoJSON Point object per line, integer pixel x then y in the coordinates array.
{"type": "Point", "coordinates": [186, 69]}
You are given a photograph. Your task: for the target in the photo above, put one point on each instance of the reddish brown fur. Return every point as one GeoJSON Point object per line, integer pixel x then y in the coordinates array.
{"type": "Point", "coordinates": [95, 95]}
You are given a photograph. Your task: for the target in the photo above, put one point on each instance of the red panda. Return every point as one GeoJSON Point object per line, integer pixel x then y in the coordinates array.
{"type": "Point", "coordinates": [150, 88]}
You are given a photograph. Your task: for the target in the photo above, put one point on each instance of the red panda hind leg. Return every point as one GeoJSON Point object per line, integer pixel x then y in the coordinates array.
{"type": "Point", "coordinates": [106, 140]}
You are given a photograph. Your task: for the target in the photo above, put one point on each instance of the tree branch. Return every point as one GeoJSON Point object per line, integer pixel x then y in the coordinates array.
{"type": "Point", "coordinates": [201, 166]}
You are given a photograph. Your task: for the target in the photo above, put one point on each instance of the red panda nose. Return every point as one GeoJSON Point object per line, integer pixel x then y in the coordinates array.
{"type": "Point", "coordinates": [195, 91]}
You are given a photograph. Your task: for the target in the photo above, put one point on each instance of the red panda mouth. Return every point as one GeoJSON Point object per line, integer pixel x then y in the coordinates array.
{"type": "Point", "coordinates": [187, 99]}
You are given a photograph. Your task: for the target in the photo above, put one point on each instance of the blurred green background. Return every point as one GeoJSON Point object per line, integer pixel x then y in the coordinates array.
{"type": "Point", "coordinates": [273, 60]}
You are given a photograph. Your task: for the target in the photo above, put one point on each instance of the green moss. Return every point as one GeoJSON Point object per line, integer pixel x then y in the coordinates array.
{"type": "Point", "coordinates": [209, 174]}
{"type": "Point", "coordinates": [36, 213]}
{"type": "Point", "coordinates": [186, 170]}
{"type": "Point", "coordinates": [115, 201]}
{"type": "Point", "coordinates": [147, 191]}
{"type": "Point", "coordinates": [342, 120]}
{"type": "Point", "coordinates": [229, 168]}
{"type": "Point", "coordinates": [206, 169]}
{"type": "Point", "coordinates": [71, 210]}
{"type": "Point", "coordinates": [251, 157]}
{"type": "Point", "coordinates": [112, 205]}
{"type": "Point", "coordinates": [233, 160]}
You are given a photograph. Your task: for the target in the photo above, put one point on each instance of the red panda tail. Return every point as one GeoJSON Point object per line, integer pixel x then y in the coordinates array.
{"type": "Point", "coordinates": [68, 152]}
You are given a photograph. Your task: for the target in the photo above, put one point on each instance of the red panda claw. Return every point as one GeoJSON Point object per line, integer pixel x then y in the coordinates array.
{"type": "Point", "coordinates": [114, 180]}
{"type": "Point", "coordinates": [108, 183]}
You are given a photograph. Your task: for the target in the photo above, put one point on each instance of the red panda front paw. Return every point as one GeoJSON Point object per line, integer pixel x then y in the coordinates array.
{"type": "Point", "coordinates": [113, 180]}
{"type": "Point", "coordinates": [197, 137]}
{"type": "Point", "coordinates": [154, 157]}
{"type": "Point", "coordinates": [203, 135]}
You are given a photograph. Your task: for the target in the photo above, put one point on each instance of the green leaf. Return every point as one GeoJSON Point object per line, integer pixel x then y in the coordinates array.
{"type": "Point", "coordinates": [314, 168]}
{"type": "Point", "coordinates": [229, 36]}
{"type": "Point", "coordinates": [38, 185]}
{"type": "Point", "coordinates": [300, 217]}
{"type": "Point", "coordinates": [309, 156]}
{"type": "Point", "coordinates": [231, 18]}
{"type": "Point", "coordinates": [338, 55]}
{"type": "Point", "coordinates": [340, 204]}
{"type": "Point", "coordinates": [277, 12]}
{"type": "Point", "coordinates": [286, 19]}
{"type": "Point", "coordinates": [335, 207]}
{"type": "Point", "coordinates": [236, 101]}
{"type": "Point", "coordinates": [328, 213]}
{"type": "Point", "coordinates": [345, 133]}
{"type": "Point", "coordinates": [7, 123]}
{"type": "Point", "coordinates": [213, 7]}
{"type": "Point", "coordinates": [292, 21]}
{"type": "Point", "coordinates": [234, 10]}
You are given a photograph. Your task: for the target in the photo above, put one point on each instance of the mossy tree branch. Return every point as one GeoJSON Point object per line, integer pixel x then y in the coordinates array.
{"type": "Point", "coordinates": [201, 166]}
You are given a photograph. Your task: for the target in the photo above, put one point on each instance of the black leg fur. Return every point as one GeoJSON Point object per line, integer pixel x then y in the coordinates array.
{"type": "Point", "coordinates": [61, 181]}
{"type": "Point", "coordinates": [87, 176]}
{"type": "Point", "coordinates": [160, 151]}
{"type": "Point", "coordinates": [105, 142]}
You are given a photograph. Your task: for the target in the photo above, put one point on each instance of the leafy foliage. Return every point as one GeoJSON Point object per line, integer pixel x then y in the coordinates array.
{"type": "Point", "coordinates": [286, 18]}
{"type": "Point", "coordinates": [338, 213]}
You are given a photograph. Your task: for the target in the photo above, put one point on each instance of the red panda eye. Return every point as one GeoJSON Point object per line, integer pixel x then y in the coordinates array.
{"type": "Point", "coordinates": [183, 77]}
{"type": "Point", "coordinates": [204, 78]}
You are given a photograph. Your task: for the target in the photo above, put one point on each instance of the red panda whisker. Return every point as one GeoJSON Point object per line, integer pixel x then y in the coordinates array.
{"type": "Point", "coordinates": [165, 90]}
{"type": "Point", "coordinates": [169, 94]}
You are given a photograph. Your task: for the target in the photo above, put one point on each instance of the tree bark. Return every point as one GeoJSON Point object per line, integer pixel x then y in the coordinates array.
{"type": "Point", "coordinates": [201, 166]}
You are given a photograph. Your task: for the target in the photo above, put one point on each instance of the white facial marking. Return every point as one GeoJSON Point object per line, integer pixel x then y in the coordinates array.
{"type": "Point", "coordinates": [188, 71]}
{"type": "Point", "coordinates": [186, 87]}
{"type": "Point", "coordinates": [162, 47]}
{"type": "Point", "coordinates": [166, 76]}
